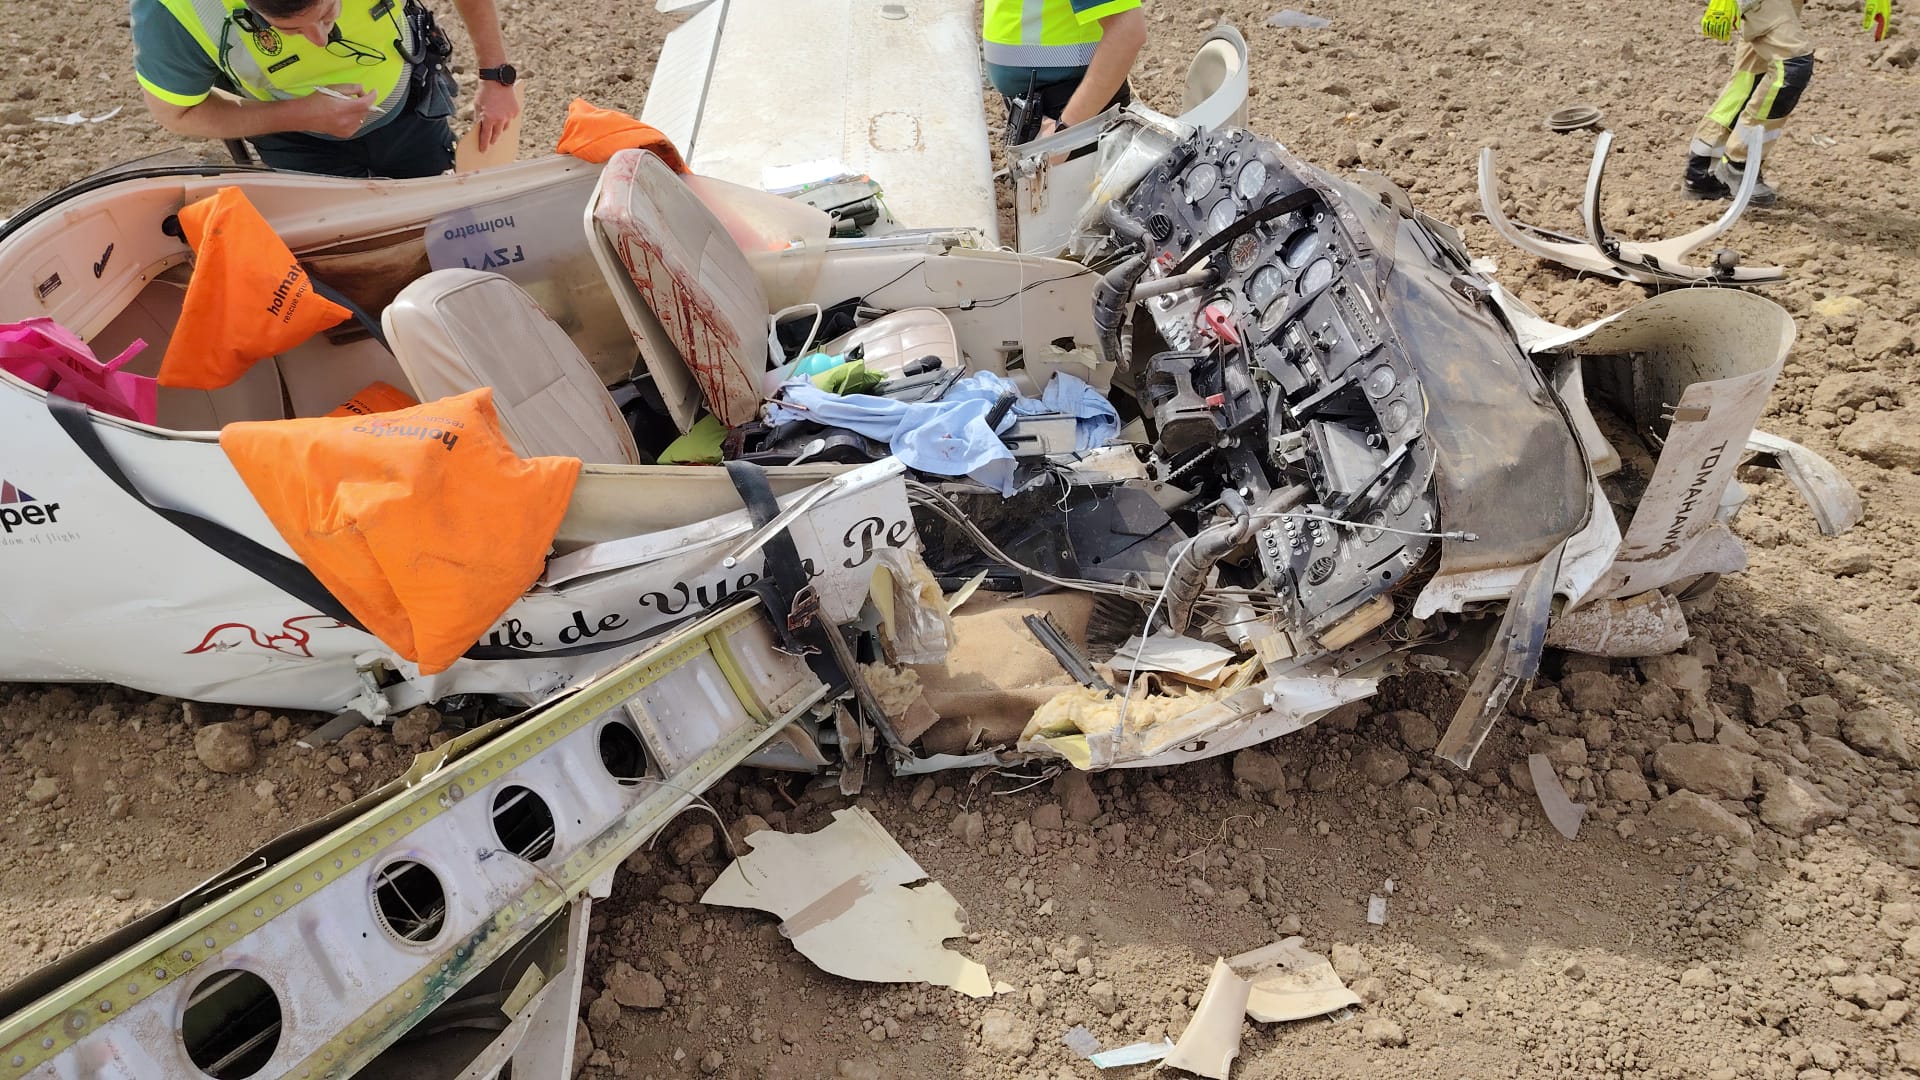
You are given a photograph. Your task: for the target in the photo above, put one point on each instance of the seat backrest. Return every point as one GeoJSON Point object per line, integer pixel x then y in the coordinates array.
{"type": "Point", "coordinates": [455, 330]}
{"type": "Point", "coordinates": [689, 278]}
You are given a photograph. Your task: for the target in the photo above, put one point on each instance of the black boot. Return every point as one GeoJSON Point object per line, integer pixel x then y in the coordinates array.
{"type": "Point", "coordinates": [1730, 173]}
{"type": "Point", "coordinates": [1700, 181]}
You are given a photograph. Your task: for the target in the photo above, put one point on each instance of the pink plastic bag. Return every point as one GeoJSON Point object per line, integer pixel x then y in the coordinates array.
{"type": "Point", "coordinates": [53, 358]}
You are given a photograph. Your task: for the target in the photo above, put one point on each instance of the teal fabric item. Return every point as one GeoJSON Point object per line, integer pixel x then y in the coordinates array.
{"type": "Point", "coordinates": [814, 363]}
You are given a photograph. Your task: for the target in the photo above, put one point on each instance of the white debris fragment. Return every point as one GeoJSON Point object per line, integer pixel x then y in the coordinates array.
{"type": "Point", "coordinates": [1134, 1054]}
{"type": "Point", "coordinates": [1197, 661]}
{"type": "Point", "coordinates": [1081, 1041]}
{"type": "Point", "coordinates": [1564, 813]}
{"type": "Point", "coordinates": [1212, 1039]}
{"type": "Point", "coordinates": [80, 118]}
{"type": "Point", "coordinates": [1290, 983]}
{"type": "Point", "coordinates": [845, 897]}
{"type": "Point", "coordinates": [1298, 19]}
{"type": "Point", "coordinates": [1377, 910]}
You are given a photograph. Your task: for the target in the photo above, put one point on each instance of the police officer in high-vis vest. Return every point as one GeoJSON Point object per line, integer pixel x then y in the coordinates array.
{"type": "Point", "coordinates": [1059, 62]}
{"type": "Point", "coordinates": [346, 87]}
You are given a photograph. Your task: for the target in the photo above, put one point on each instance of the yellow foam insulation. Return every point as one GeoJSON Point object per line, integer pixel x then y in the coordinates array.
{"type": "Point", "coordinates": [897, 688]}
{"type": "Point", "coordinates": [1072, 721]}
{"type": "Point", "coordinates": [1085, 710]}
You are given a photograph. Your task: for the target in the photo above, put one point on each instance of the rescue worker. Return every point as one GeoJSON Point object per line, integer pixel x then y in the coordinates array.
{"type": "Point", "coordinates": [345, 87]}
{"type": "Point", "coordinates": [1059, 62]}
{"type": "Point", "coordinates": [1771, 69]}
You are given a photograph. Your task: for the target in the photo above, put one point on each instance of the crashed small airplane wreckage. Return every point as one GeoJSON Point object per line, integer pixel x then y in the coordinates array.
{"type": "Point", "coordinates": [1226, 402]}
{"type": "Point", "coordinates": [1222, 440]}
{"type": "Point", "coordinates": [1357, 454]}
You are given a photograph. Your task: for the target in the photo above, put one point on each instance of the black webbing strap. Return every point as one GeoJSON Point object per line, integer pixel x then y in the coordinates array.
{"type": "Point", "coordinates": [783, 586]}
{"type": "Point", "coordinates": [288, 575]}
{"type": "Point", "coordinates": [367, 322]}
{"type": "Point", "coordinates": [782, 557]}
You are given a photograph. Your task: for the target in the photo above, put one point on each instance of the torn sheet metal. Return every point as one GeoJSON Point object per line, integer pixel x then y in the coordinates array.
{"type": "Point", "coordinates": [1511, 658]}
{"type": "Point", "coordinates": [1212, 1039]}
{"type": "Point", "coordinates": [914, 624]}
{"type": "Point", "coordinates": [1835, 504]}
{"type": "Point", "coordinates": [1697, 366]}
{"type": "Point", "coordinates": [1288, 982]}
{"type": "Point", "coordinates": [1649, 624]}
{"type": "Point", "coordinates": [846, 903]}
{"type": "Point", "coordinates": [1564, 813]}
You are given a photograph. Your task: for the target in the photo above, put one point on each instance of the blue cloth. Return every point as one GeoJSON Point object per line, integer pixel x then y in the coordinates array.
{"type": "Point", "coordinates": [950, 437]}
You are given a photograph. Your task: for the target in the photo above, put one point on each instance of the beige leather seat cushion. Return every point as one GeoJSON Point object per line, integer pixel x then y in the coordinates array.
{"type": "Point", "coordinates": [456, 330]}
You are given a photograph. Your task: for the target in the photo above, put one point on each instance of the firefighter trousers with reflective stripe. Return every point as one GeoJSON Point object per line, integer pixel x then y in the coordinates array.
{"type": "Point", "coordinates": [1772, 65]}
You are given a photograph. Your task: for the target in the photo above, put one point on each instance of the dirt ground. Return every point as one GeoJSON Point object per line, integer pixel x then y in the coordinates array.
{"type": "Point", "coordinates": [1769, 929]}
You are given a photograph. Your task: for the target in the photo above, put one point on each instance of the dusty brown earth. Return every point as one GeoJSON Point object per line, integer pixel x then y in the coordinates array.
{"type": "Point", "coordinates": [1741, 902]}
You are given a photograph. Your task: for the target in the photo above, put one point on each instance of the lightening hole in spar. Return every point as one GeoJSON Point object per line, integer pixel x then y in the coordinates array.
{"type": "Point", "coordinates": [524, 823]}
{"type": "Point", "coordinates": [622, 753]}
{"type": "Point", "coordinates": [411, 902]}
{"type": "Point", "coordinates": [232, 1025]}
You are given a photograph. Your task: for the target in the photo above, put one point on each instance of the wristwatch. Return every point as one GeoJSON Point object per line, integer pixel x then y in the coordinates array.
{"type": "Point", "coordinates": [504, 74]}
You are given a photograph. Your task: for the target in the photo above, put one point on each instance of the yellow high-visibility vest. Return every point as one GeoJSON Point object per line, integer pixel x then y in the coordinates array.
{"type": "Point", "coordinates": [1044, 33]}
{"type": "Point", "coordinates": [373, 41]}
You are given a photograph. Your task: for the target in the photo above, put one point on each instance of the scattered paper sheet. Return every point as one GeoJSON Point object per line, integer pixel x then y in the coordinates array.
{"type": "Point", "coordinates": [1290, 983]}
{"type": "Point", "coordinates": [1300, 19]}
{"type": "Point", "coordinates": [1135, 1054]}
{"type": "Point", "coordinates": [844, 897]}
{"type": "Point", "coordinates": [80, 118]}
{"type": "Point", "coordinates": [1565, 814]}
{"type": "Point", "coordinates": [1081, 1041]}
{"type": "Point", "coordinates": [1212, 1040]}
{"type": "Point", "coordinates": [1377, 910]}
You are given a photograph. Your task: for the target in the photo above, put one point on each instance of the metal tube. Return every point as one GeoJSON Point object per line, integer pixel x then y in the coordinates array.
{"type": "Point", "coordinates": [1147, 290]}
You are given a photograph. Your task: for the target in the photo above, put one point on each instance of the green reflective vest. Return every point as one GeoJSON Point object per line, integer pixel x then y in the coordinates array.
{"type": "Point", "coordinates": [1044, 33]}
{"type": "Point", "coordinates": [268, 65]}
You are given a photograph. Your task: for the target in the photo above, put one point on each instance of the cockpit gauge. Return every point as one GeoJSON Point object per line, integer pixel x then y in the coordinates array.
{"type": "Point", "coordinates": [1242, 255]}
{"type": "Point", "coordinates": [1303, 245]}
{"type": "Point", "coordinates": [1224, 214]}
{"type": "Point", "coordinates": [1203, 178]}
{"type": "Point", "coordinates": [1253, 177]}
{"type": "Point", "coordinates": [1265, 285]}
{"type": "Point", "coordinates": [1316, 276]}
